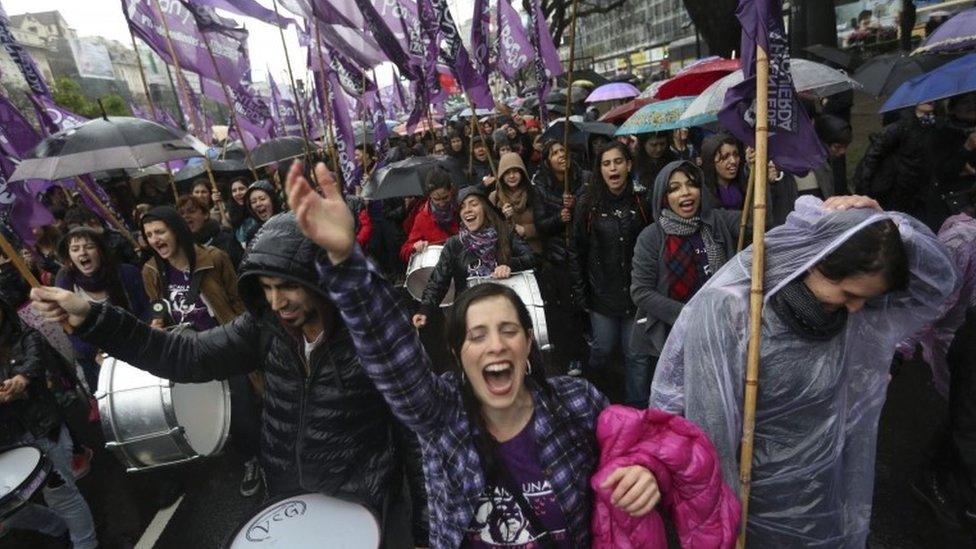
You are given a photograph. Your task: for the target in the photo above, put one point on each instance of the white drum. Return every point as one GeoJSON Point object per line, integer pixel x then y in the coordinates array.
{"type": "Point", "coordinates": [419, 269]}
{"type": "Point", "coordinates": [527, 288]}
{"type": "Point", "coordinates": [23, 470]}
{"type": "Point", "coordinates": [151, 422]}
{"type": "Point", "coordinates": [309, 520]}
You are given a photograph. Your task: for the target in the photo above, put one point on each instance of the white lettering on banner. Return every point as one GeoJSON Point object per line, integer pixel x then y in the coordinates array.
{"type": "Point", "coordinates": [6, 197]}
{"type": "Point", "coordinates": [514, 56]}
{"type": "Point", "coordinates": [781, 101]}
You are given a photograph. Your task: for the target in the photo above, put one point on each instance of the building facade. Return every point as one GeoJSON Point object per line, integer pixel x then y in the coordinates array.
{"type": "Point", "coordinates": [635, 38]}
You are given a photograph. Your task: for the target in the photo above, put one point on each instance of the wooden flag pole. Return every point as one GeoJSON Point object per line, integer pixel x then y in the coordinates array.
{"type": "Point", "coordinates": [294, 88]}
{"type": "Point", "coordinates": [180, 80]}
{"type": "Point", "coordinates": [756, 292]}
{"type": "Point", "coordinates": [8, 250]}
{"type": "Point", "coordinates": [233, 113]}
{"type": "Point", "coordinates": [142, 76]}
{"type": "Point", "coordinates": [744, 220]}
{"type": "Point", "coordinates": [569, 105]}
{"type": "Point", "coordinates": [481, 132]}
{"type": "Point", "coordinates": [328, 125]}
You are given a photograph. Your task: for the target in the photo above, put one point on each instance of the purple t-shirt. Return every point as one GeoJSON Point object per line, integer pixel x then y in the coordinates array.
{"type": "Point", "coordinates": [180, 310]}
{"type": "Point", "coordinates": [730, 197]}
{"type": "Point", "coordinates": [498, 519]}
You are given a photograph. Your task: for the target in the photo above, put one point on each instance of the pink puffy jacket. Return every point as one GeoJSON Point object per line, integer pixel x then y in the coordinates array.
{"type": "Point", "coordinates": [704, 509]}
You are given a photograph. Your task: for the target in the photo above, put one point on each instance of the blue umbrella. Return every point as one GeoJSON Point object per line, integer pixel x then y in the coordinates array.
{"type": "Point", "coordinates": [661, 116]}
{"type": "Point", "coordinates": [953, 78]}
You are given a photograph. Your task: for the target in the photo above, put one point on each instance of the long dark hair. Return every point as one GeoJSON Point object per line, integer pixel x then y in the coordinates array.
{"type": "Point", "coordinates": [710, 147]}
{"type": "Point", "coordinates": [597, 189]}
{"type": "Point", "coordinates": [877, 248]}
{"type": "Point", "coordinates": [457, 330]}
{"type": "Point", "coordinates": [109, 264]}
{"type": "Point", "coordinates": [646, 167]}
{"type": "Point", "coordinates": [238, 212]}
{"type": "Point", "coordinates": [494, 218]}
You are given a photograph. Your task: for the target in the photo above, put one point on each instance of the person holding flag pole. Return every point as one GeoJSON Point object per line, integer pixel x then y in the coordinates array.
{"type": "Point", "coordinates": [820, 303]}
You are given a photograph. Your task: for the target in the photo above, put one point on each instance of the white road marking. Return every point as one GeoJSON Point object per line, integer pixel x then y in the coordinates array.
{"type": "Point", "coordinates": [158, 524]}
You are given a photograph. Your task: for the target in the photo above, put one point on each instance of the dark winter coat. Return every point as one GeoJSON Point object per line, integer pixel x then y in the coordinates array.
{"type": "Point", "coordinates": [222, 238]}
{"type": "Point", "coordinates": [325, 427]}
{"type": "Point", "coordinates": [452, 266]}
{"type": "Point", "coordinates": [24, 351]}
{"type": "Point", "coordinates": [649, 282]}
{"type": "Point", "coordinates": [601, 249]}
{"type": "Point", "coordinates": [895, 169]}
{"type": "Point", "coordinates": [547, 203]}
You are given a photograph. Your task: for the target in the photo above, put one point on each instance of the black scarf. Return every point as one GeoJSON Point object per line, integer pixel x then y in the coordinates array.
{"type": "Point", "coordinates": [804, 315]}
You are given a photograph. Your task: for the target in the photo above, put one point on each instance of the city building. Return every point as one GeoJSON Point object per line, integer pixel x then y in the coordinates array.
{"type": "Point", "coordinates": [642, 37]}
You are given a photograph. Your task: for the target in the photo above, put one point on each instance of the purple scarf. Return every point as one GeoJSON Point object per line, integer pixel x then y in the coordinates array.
{"type": "Point", "coordinates": [444, 217]}
{"type": "Point", "coordinates": [483, 245]}
{"type": "Point", "coordinates": [95, 283]}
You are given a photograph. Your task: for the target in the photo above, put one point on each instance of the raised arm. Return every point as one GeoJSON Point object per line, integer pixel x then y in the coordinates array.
{"type": "Point", "coordinates": [388, 346]}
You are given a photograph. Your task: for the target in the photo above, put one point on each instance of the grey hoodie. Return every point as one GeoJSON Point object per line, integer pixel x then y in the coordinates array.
{"type": "Point", "coordinates": [648, 281]}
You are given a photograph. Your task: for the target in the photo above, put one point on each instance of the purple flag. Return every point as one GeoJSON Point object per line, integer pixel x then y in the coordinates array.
{"type": "Point", "coordinates": [345, 138]}
{"type": "Point", "coordinates": [380, 132]}
{"type": "Point", "coordinates": [191, 51]}
{"type": "Point", "coordinates": [251, 111]}
{"type": "Point", "coordinates": [249, 8]}
{"type": "Point", "coordinates": [793, 142]}
{"type": "Point", "coordinates": [479, 37]}
{"type": "Point", "coordinates": [514, 47]}
{"type": "Point", "coordinates": [138, 112]}
{"type": "Point", "coordinates": [166, 119]}
{"type": "Point", "coordinates": [379, 29]}
{"type": "Point", "coordinates": [546, 48]}
{"type": "Point", "coordinates": [17, 135]}
{"type": "Point", "coordinates": [456, 57]}
{"type": "Point", "coordinates": [52, 116]}
{"type": "Point", "coordinates": [19, 209]}
{"type": "Point", "coordinates": [23, 60]}
{"type": "Point", "coordinates": [276, 100]}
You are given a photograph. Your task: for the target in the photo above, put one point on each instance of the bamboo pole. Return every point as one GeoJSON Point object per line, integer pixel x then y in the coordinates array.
{"type": "Point", "coordinates": [233, 112]}
{"type": "Point", "coordinates": [180, 77]}
{"type": "Point", "coordinates": [176, 96]}
{"type": "Point", "coordinates": [294, 88]}
{"type": "Point", "coordinates": [327, 107]}
{"type": "Point", "coordinates": [569, 96]}
{"type": "Point", "coordinates": [481, 132]}
{"type": "Point", "coordinates": [142, 76]}
{"type": "Point", "coordinates": [8, 250]}
{"type": "Point", "coordinates": [744, 221]}
{"type": "Point", "coordinates": [756, 292]}
{"type": "Point", "coordinates": [362, 120]}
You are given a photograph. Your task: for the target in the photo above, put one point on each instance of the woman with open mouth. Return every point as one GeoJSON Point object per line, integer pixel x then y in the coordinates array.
{"type": "Point", "coordinates": [262, 202]}
{"type": "Point", "coordinates": [485, 246]}
{"type": "Point", "coordinates": [92, 270]}
{"type": "Point", "coordinates": [674, 256]}
{"type": "Point", "coordinates": [436, 218]}
{"type": "Point", "coordinates": [240, 220]}
{"type": "Point", "coordinates": [509, 453]}
{"type": "Point", "coordinates": [605, 227]}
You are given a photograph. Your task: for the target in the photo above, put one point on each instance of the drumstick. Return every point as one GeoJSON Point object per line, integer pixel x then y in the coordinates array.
{"type": "Point", "coordinates": [24, 270]}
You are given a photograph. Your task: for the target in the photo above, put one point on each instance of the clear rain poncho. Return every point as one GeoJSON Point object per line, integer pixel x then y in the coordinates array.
{"type": "Point", "coordinates": [819, 401]}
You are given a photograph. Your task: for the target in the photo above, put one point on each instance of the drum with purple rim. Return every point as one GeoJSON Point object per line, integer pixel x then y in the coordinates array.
{"type": "Point", "coordinates": [308, 520]}
{"type": "Point", "coordinates": [23, 470]}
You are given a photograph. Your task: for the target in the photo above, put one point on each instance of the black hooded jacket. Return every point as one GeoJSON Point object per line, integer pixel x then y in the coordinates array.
{"type": "Point", "coordinates": [325, 426]}
{"type": "Point", "coordinates": [212, 234]}
{"type": "Point", "coordinates": [24, 351]}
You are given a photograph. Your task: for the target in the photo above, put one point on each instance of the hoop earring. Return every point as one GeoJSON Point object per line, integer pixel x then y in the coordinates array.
{"type": "Point", "coordinates": [528, 368]}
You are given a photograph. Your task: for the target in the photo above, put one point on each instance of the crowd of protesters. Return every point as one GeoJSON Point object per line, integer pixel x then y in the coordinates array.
{"type": "Point", "coordinates": [632, 244]}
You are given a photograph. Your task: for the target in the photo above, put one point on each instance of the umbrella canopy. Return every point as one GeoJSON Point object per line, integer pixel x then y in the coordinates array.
{"type": "Point", "coordinates": [656, 117]}
{"type": "Point", "coordinates": [612, 91]}
{"type": "Point", "coordinates": [579, 132]}
{"type": "Point", "coordinates": [955, 35]}
{"type": "Point", "coordinates": [197, 170]}
{"type": "Point", "coordinates": [650, 92]}
{"type": "Point", "coordinates": [107, 143]}
{"type": "Point", "coordinates": [279, 149]}
{"type": "Point", "coordinates": [422, 126]}
{"type": "Point", "coordinates": [531, 102]}
{"type": "Point", "coordinates": [954, 78]}
{"type": "Point", "coordinates": [403, 178]}
{"type": "Point", "coordinates": [838, 57]}
{"type": "Point", "coordinates": [559, 96]}
{"type": "Point", "coordinates": [583, 74]}
{"type": "Point", "coordinates": [882, 75]}
{"type": "Point", "coordinates": [466, 113]}
{"type": "Point", "coordinates": [808, 77]}
{"type": "Point", "coordinates": [584, 83]}
{"type": "Point", "coordinates": [620, 113]}
{"type": "Point", "coordinates": [694, 79]}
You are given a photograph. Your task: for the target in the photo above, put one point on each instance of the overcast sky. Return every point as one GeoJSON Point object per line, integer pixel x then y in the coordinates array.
{"type": "Point", "coordinates": [104, 18]}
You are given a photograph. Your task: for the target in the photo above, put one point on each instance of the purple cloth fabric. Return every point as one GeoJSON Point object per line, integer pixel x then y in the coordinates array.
{"type": "Point", "coordinates": [252, 112]}
{"type": "Point", "coordinates": [249, 8]}
{"type": "Point", "coordinates": [514, 47]}
{"type": "Point", "coordinates": [17, 136]}
{"type": "Point", "coordinates": [431, 406]}
{"type": "Point", "coordinates": [730, 197]}
{"type": "Point", "coordinates": [793, 142]}
{"type": "Point", "coordinates": [52, 116]}
{"type": "Point", "coordinates": [479, 37]}
{"type": "Point", "coordinates": [23, 60]}
{"type": "Point", "coordinates": [387, 41]}
{"type": "Point", "coordinates": [483, 244]}
{"type": "Point", "coordinates": [499, 521]}
{"type": "Point", "coordinates": [345, 138]}
{"type": "Point", "coordinates": [187, 40]}
{"type": "Point", "coordinates": [19, 210]}
{"type": "Point", "coordinates": [181, 311]}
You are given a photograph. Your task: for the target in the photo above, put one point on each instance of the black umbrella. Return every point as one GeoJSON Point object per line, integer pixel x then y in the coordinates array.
{"type": "Point", "coordinates": [232, 150]}
{"type": "Point", "coordinates": [531, 102]}
{"type": "Point", "coordinates": [406, 177]}
{"type": "Point", "coordinates": [838, 57]}
{"type": "Point", "coordinates": [579, 132]}
{"type": "Point", "coordinates": [584, 74]}
{"type": "Point", "coordinates": [195, 171]}
{"type": "Point", "coordinates": [104, 144]}
{"type": "Point", "coordinates": [278, 149]}
{"type": "Point", "coordinates": [559, 95]}
{"type": "Point", "coordinates": [883, 74]}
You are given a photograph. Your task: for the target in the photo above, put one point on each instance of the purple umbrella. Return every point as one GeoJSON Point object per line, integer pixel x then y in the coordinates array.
{"type": "Point", "coordinates": [955, 35]}
{"type": "Point", "coordinates": [611, 91]}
